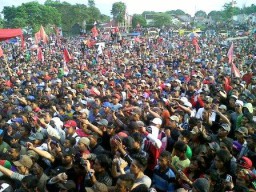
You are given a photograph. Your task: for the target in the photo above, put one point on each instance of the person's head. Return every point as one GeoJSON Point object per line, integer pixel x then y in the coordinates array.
{"type": "Point", "coordinates": [185, 136]}
{"type": "Point", "coordinates": [138, 165]}
{"type": "Point", "coordinates": [241, 133]}
{"type": "Point", "coordinates": [24, 164]}
{"type": "Point", "coordinates": [223, 130]}
{"type": "Point", "coordinates": [207, 103]}
{"type": "Point", "coordinates": [25, 131]}
{"type": "Point", "coordinates": [174, 121]}
{"type": "Point", "coordinates": [110, 128]}
{"type": "Point", "coordinates": [37, 170]}
{"type": "Point", "coordinates": [138, 139]}
{"type": "Point", "coordinates": [69, 142]}
{"type": "Point", "coordinates": [222, 160]}
{"type": "Point", "coordinates": [164, 159]}
{"type": "Point", "coordinates": [93, 140]}
{"type": "Point", "coordinates": [124, 183]}
{"type": "Point", "coordinates": [180, 149]}
{"type": "Point", "coordinates": [68, 156]}
{"type": "Point", "coordinates": [29, 183]}
{"type": "Point", "coordinates": [101, 164]}
{"type": "Point", "coordinates": [245, 177]}
{"type": "Point", "coordinates": [227, 144]}
{"type": "Point", "coordinates": [83, 144]}
{"type": "Point", "coordinates": [157, 122]}
{"type": "Point", "coordinates": [70, 126]}
{"type": "Point", "coordinates": [201, 185]}
{"type": "Point", "coordinates": [14, 151]}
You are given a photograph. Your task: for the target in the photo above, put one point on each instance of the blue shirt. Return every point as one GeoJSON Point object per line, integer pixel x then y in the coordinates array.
{"type": "Point", "coordinates": [164, 181]}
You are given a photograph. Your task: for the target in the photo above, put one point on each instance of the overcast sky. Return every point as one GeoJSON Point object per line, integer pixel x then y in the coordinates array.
{"type": "Point", "coordinates": [138, 6]}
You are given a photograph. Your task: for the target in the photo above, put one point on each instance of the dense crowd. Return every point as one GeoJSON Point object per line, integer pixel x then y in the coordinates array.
{"type": "Point", "coordinates": [154, 115]}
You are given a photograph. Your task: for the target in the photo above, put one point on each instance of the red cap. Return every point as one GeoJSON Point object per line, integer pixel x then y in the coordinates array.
{"type": "Point", "coordinates": [70, 123]}
{"type": "Point", "coordinates": [245, 162]}
{"type": "Point", "coordinates": [117, 96]}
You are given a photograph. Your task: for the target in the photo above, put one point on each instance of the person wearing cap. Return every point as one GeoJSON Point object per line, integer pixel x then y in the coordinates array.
{"type": "Point", "coordinates": [23, 166]}
{"type": "Point", "coordinates": [245, 180]}
{"type": "Point", "coordinates": [104, 129]}
{"type": "Point", "coordinates": [37, 139]}
{"type": "Point", "coordinates": [241, 133]}
{"type": "Point", "coordinates": [115, 102]}
{"type": "Point", "coordinates": [83, 146]}
{"type": "Point", "coordinates": [105, 112]}
{"type": "Point", "coordinates": [206, 111]}
{"type": "Point", "coordinates": [70, 129]}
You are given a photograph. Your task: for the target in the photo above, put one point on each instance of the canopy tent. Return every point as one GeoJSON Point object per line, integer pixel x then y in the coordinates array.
{"type": "Point", "coordinates": [11, 33]}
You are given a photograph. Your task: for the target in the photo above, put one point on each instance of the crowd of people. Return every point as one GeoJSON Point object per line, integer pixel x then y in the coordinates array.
{"type": "Point", "coordinates": [156, 115]}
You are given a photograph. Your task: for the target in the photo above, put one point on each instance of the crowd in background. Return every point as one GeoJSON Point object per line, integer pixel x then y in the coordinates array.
{"type": "Point", "coordinates": [151, 115]}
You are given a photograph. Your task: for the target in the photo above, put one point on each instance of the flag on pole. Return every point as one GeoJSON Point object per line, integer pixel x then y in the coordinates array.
{"type": "Point", "coordinates": [94, 31]}
{"type": "Point", "coordinates": [37, 37]}
{"type": "Point", "coordinates": [234, 69]}
{"type": "Point", "coordinates": [230, 53]}
{"type": "Point", "coordinates": [40, 55]}
{"type": "Point", "coordinates": [198, 49]}
{"type": "Point", "coordinates": [116, 30]}
{"type": "Point", "coordinates": [1, 52]}
{"type": "Point", "coordinates": [67, 56]}
{"type": "Point", "coordinates": [65, 69]}
{"type": "Point", "coordinates": [43, 35]}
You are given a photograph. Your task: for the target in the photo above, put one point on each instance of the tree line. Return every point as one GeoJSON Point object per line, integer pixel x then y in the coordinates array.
{"type": "Point", "coordinates": [53, 13]}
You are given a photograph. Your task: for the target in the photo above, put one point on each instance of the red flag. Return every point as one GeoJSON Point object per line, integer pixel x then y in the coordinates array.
{"type": "Point", "coordinates": [116, 30]}
{"type": "Point", "coordinates": [198, 49]}
{"type": "Point", "coordinates": [94, 31]}
{"type": "Point", "coordinates": [40, 55]}
{"type": "Point", "coordinates": [37, 37]}
{"type": "Point", "coordinates": [1, 52]}
{"type": "Point", "coordinates": [91, 43]}
{"type": "Point", "coordinates": [235, 70]}
{"type": "Point", "coordinates": [67, 56]}
{"type": "Point", "coordinates": [230, 53]}
{"type": "Point", "coordinates": [43, 35]}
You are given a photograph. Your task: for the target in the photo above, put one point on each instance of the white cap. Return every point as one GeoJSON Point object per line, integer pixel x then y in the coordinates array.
{"type": "Point", "coordinates": [174, 118]}
{"type": "Point", "coordinates": [157, 121]}
{"type": "Point", "coordinates": [239, 102]}
{"type": "Point", "coordinates": [223, 107]}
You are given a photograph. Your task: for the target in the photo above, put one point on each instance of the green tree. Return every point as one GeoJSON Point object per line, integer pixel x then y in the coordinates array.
{"type": "Point", "coordinates": [104, 18]}
{"type": "Point", "coordinates": [200, 14]}
{"type": "Point", "coordinates": [118, 11]}
{"type": "Point", "coordinates": [230, 11]}
{"type": "Point", "coordinates": [138, 19]}
{"type": "Point", "coordinates": [216, 15]}
{"type": "Point", "coordinates": [91, 3]}
{"type": "Point", "coordinates": [30, 14]}
{"type": "Point", "coordinates": [249, 10]}
{"type": "Point", "coordinates": [176, 12]}
{"type": "Point", "coordinates": [162, 19]}
{"type": "Point", "coordinates": [1, 23]}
